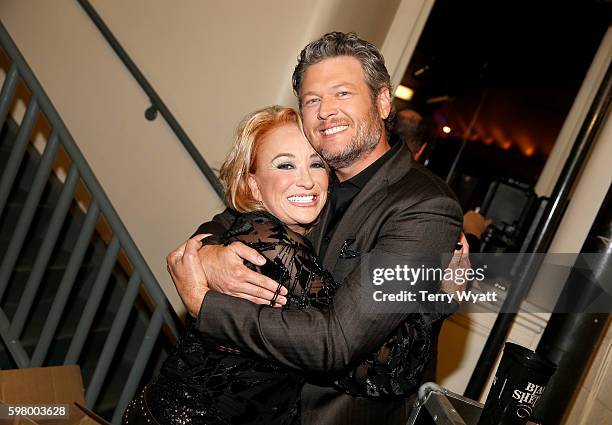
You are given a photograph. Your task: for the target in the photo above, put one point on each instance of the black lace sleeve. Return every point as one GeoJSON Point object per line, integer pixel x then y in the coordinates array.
{"type": "Point", "coordinates": [291, 259]}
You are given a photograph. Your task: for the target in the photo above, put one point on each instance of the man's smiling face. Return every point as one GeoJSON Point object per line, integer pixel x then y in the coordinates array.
{"type": "Point", "coordinates": [340, 119]}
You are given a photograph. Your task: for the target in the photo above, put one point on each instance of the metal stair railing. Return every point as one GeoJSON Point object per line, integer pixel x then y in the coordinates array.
{"type": "Point", "coordinates": [141, 278]}
{"type": "Point", "coordinates": [157, 104]}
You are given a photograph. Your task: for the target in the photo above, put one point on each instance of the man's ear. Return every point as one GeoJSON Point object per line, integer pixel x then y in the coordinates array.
{"type": "Point", "coordinates": [254, 188]}
{"type": "Point", "coordinates": [383, 102]}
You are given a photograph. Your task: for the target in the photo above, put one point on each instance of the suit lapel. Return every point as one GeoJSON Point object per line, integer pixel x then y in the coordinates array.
{"type": "Point", "coordinates": [356, 213]}
{"type": "Point", "coordinates": [316, 237]}
{"type": "Point", "coordinates": [364, 204]}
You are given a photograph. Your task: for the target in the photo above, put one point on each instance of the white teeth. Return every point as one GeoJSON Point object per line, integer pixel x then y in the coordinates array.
{"type": "Point", "coordinates": [334, 130]}
{"type": "Point", "coordinates": [301, 199]}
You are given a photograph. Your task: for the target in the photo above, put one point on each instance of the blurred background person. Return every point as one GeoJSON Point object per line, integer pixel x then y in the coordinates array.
{"type": "Point", "coordinates": [414, 130]}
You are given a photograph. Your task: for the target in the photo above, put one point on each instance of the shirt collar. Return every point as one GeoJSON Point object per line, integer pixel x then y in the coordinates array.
{"type": "Point", "coordinates": [363, 177]}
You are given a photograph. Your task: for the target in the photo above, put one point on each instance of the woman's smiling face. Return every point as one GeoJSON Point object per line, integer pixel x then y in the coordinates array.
{"type": "Point", "coordinates": [290, 179]}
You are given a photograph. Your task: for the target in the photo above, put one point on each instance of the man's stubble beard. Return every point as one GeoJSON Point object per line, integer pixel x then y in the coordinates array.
{"type": "Point", "coordinates": [366, 138]}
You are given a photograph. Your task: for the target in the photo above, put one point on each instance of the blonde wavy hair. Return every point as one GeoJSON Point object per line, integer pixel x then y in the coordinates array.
{"type": "Point", "coordinates": [240, 162]}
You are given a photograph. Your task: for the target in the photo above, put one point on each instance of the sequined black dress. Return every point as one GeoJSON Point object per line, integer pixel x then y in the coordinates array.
{"type": "Point", "coordinates": [201, 384]}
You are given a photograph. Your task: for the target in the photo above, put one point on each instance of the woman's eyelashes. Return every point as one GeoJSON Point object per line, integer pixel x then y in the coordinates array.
{"type": "Point", "coordinates": [285, 166]}
{"type": "Point", "coordinates": [291, 165]}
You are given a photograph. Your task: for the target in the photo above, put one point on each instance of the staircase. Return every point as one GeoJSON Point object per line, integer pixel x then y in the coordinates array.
{"type": "Point", "coordinates": [65, 294]}
{"type": "Point", "coordinates": [53, 273]}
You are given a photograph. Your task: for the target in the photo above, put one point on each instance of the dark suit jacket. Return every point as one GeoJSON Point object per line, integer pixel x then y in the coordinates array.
{"type": "Point", "coordinates": [403, 209]}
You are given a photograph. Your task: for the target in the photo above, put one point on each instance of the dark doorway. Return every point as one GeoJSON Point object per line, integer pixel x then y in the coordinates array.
{"type": "Point", "coordinates": [502, 76]}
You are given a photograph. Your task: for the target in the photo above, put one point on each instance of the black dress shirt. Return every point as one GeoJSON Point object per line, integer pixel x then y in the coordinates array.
{"type": "Point", "coordinates": [343, 193]}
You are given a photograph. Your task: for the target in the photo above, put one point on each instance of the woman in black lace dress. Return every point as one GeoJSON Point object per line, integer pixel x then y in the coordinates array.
{"type": "Point", "coordinates": [278, 184]}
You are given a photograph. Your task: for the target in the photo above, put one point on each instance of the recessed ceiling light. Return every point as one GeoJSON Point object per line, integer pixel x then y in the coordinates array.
{"type": "Point", "coordinates": [404, 93]}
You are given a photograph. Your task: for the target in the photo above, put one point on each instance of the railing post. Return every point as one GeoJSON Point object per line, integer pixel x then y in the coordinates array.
{"type": "Point", "coordinates": [139, 364]}
{"type": "Point", "coordinates": [93, 302]}
{"type": "Point", "coordinates": [112, 340]}
{"type": "Point", "coordinates": [44, 254]}
{"type": "Point", "coordinates": [57, 308]}
{"type": "Point", "coordinates": [29, 209]}
{"type": "Point", "coordinates": [18, 354]}
{"type": "Point", "coordinates": [8, 90]}
{"type": "Point", "coordinates": [19, 148]}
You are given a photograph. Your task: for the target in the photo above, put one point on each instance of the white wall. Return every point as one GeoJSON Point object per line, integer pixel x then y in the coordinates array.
{"type": "Point", "coordinates": [212, 62]}
{"type": "Point", "coordinates": [571, 127]}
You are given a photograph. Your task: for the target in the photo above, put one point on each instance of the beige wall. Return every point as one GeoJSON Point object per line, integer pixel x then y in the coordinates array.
{"type": "Point", "coordinates": [211, 62]}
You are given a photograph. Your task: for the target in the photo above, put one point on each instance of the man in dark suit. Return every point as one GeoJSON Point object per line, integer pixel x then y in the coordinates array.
{"type": "Point", "coordinates": [382, 203]}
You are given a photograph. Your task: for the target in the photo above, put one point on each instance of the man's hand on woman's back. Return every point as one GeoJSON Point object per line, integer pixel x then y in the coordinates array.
{"type": "Point", "coordinates": [195, 269]}
{"type": "Point", "coordinates": [226, 273]}
{"type": "Point", "coordinates": [187, 274]}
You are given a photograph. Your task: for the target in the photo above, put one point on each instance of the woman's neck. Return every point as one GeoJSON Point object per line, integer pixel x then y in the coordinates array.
{"type": "Point", "coordinates": [297, 228]}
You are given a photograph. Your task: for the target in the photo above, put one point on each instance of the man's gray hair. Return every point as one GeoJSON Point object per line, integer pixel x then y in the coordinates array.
{"type": "Point", "coordinates": [336, 44]}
